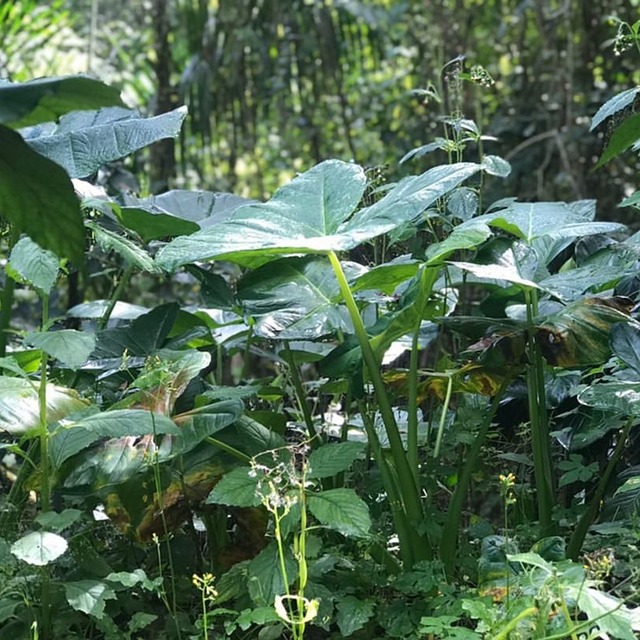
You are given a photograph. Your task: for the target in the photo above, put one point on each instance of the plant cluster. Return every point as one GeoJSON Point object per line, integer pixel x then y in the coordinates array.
{"type": "Point", "coordinates": [361, 401]}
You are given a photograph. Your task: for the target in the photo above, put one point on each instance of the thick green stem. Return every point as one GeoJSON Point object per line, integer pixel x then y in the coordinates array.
{"type": "Point", "coordinates": [45, 475]}
{"type": "Point", "coordinates": [407, 486]}
{"type": "Point", "coordinates": [443, 416]}
{"type": "Point", "coordinates": [115, 296]}
{"type": "Point", "coordinates": [508, 628]}
{"type": "Point", "coordinates": [173, 609]}
{"type": "Point", "coordinates": [449, 541]}
{"type": "Point", "coordinates": [538, 420]}
{"type": "Point", "coordinates": [314, 436]}
{"type": "Point", "coordinates": [7, 300]}
{"type": "Point", "coordinates": [427, 280]}
{"type": "Point", "coordinates": [407, 535]}
{"type": "Point", "coordinates": [588, 517]}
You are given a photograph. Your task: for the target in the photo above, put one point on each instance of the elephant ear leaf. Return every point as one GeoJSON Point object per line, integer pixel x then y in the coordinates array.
{"type": "Point", "coordinates": [38, 199]}
{"type": "Point", "coordinates": [579, 335]}
{"type": "Point", "coordinates": [314, 214]}
{"type": "Point", "coordinates": [625, 342]}
{"type": "Point", "coordinates": [46, 99]}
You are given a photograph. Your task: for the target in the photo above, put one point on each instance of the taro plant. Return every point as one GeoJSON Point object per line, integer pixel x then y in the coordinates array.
{"type": "Point", "coordinates": [317, 215]}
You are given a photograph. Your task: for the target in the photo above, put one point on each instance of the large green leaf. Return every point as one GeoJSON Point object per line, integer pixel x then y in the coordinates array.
{"type": "Point", "coordinates": [470, 236]}
{"type": "Point", "coordinates": [572, 284]}
{"type": "Point", "coordinates": [579, 334]}
{"type": "Point", "coordinates": [613, 105]}
{"type": "Point", "coordinates": [549, 245]}
{"type": "Point", "coordinates": [131, 253]}
{"type": "Point", "coordinates": [214, 289]}
{"type": "Point", "coordinates": [330, 459]}
{"type": "Point", "coordinates": [85, 140]}
{"type": "Point", "coordinates": [39, 548]}
{"type": "Point", "coordinates": [70, 437]}
{"type": "Point", "coordinates": [353, 614]}
{"type": "Point", "coordinates": [122, 472]}
{"type": "Point", "coordinates": [624, 504]}
{"type": "Point", "coordinates": [238, 488]}
{"type": "Point", "coordinates": [341, 510]}
{"type": "Point", "coordinates": [265, 577]}
{"type": "Point", "coordinates": [625, 342]}
{"type": "Point", "coordinates": [89, 596]}
{"type": "Point", "coordinates": [31, 263]}
{"type": "Point", "coordinates": [177, 212]}
{"type": "Point", "coordinates": [532, 220]}
{"type": "Point", "coordinates": [296, 298]}
{"type": "Point", "coordinates": [19, 404]}
{"type": "Point", "coordinates": [386, 277]}
{"type": "Point", "coordinates": [70, 347]}
{"type": "Point", "coordinates": [37, 197]}
{"type": "Point", "coordinates": [46, 99]}
{"type": "Point", "coordinates": [312, 215]}
{"type": "Point", "coordinates": [626, 135]}
{"type": "Point", "coordinates": [144, 336]}
{"type": "Point", "coordinates": [496, 272]}
{"type": "Point", "coordinates": [608, 613]}
{"type": "Point", "coordinates": [619, 397]}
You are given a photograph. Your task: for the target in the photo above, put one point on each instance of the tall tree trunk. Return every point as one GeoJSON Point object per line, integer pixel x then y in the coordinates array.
{"type": "Point", "coordinates": [163, 163]}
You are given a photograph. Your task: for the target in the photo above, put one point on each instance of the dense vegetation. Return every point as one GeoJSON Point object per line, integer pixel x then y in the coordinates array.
{"type": "Point", "coordinates": [388, 402]}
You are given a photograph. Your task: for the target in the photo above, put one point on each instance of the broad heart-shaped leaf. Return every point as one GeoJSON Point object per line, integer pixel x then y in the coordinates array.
{"type": "Point", "coordinates": [330, 459]}
{"type": "Point", "coordinates": [85, 140]}
{"type": "Point", "coordinates": [123, 457]}
{"type": "Point", "coordinates": [96, 309]}
{"type": "Point", "coordinates": [38, 199]}
{"type": "Point", "coordinates": [132, 254]}
{"type": "Point", "coordinates": [177, 212]}
{"type": "Point", "coordinates": [70, 437]}
{"type": "Point", "coordinates": [122, 472]}
{"type": "Point", "coordinates": [312, 215]}
{"type": "Point", "coordinates": [70, 347]}
{"type": "Point", "coordinates": [624, 504]}
{"type": "Point", "coordinates": [579, 334]}
{"type": "Point", "coordinates": [386, 277]}
{"type": "Point", "coordinates": [341, 510]}
{"type": "Point", "coordinates": [46, 99]}
{"type": "Point", "coordinates": [619, 397]}
{"type": "Point", "coordinates": [238, 488]}
{"type": "Point", "coordinates": [613, 105]}
{"type": "Point", "coordinates": [296, 298]}
{"type": "Point", "coordinates": [58, 521]}
{"type": "Point", "coordinates": [19, 405]}
{"type": "Point", "coordinates": [469, 236]}
{"type": "Point", "coordinates": [39, 548]}
{"type": "Point", "coordinates": [626, 135]}
{"type": "Point", "coordinates": [572, 284]}
{"type": "Point", "coordinates": [34, 265]}
{"type": "Point", "coordinates": [89, 596]}
{"type": "Point", "coordinates": [530, 220]}
{"type": "Point", "coordinates": [214, 289]}
{"type": "Point", "coordinates": [496, 272]}
{"type": "Point", "coordinates": [298, 218]}
{"type": "Point", "coordinates": [609, 614]}
{"type": "Point", "coordinates": [142, 337]}
{"type": "Point", "coordinates": [625, 342]}
{"type": "Point", "coordinates": [549, 245]}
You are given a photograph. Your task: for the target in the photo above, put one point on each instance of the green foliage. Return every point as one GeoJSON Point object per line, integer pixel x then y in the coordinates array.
{"type": "Point", "coordinates": [202, 431]}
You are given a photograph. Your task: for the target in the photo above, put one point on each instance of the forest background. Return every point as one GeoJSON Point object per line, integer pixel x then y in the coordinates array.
{"type": "Point", "coordinates": [276, 86]}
